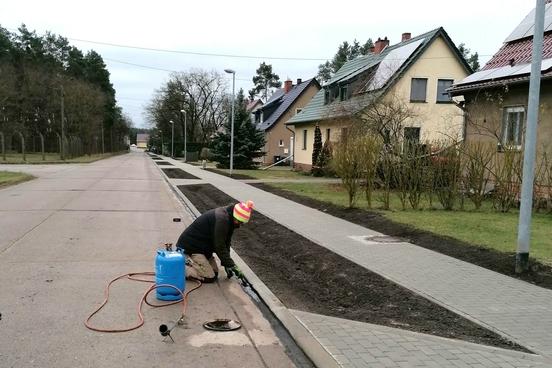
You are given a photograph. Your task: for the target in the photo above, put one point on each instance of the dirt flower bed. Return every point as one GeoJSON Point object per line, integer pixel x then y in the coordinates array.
{"type": "Point", "coordinates": [500, 262]}
{"type": "Point", "coordinates": [234, 176]}
{"type": "Point", "coordinates": [163, 163]}
{"type": "Point", "coordinates": [312, 278]}
{"type": "Point", "coordinates": [178, 174]}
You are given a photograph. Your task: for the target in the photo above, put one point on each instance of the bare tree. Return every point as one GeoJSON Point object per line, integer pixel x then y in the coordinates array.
{"type": "Point", "coordinates": [200, 94]}
{"type": "Point", "coordinates": [387, 117]}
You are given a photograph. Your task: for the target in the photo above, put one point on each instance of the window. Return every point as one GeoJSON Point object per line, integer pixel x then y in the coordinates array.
{"type": "Point", "coordinates": [281, 143]}
{"type": "Point", "coordinates": [304, 139]}
{"type": "Point", "coordinates": [412, 135]}
{"type": "Point", "coordinates": [512, 126]}
{"type": "Point", "coordinates": [344, 134]}
{"type": "Point", "coordinates": [418, 88]}
{"type": "Point", "coordinates": [411, 140]}
{"type": "Point", "coordinates": [297, 111]}
{"type": "Point", "coordinates": [326, 96]}
{"type": "Point", "coordinates": [328, 135]}
{"type": "Point", "coordinates": [442, 94]}
{"type": "Point", "coordinates": [386, 136]}
{"type": "Point", "coordinates": [335, 92]}
{"type": "Point", "coordinates": [343, 93]}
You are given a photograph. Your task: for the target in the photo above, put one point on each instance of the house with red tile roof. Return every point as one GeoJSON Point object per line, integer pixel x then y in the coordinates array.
{"type": "Point", "coordinates": [495, 98]}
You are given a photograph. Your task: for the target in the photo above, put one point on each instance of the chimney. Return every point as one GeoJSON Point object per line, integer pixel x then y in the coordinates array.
{"type": "Point", "coordinates": [380, 45]}
{"type": "Point", "coordinates": [406, 36]}
{"type": "Point", "coordinates": [299, 81]}
{"type": "Point", "coordinates": [287, 85]}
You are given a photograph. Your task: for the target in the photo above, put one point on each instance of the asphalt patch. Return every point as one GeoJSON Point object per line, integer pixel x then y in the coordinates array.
{"type": "Point", "coordinates": [309, 277]}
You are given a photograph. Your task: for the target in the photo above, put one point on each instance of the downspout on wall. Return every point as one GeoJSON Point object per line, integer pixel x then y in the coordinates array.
{"type": "Point", "coordinates": [292, 147]}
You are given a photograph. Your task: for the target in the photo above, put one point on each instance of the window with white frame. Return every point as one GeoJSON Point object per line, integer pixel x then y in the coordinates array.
{"type": "Point", "coordinates": [513, 121]}
{"type": "Point", "coordinates": [281, 143]}
{"type": "Point", "coordinates": [297, 111]}
{"type": "Point", "coordinates": [304, 139]}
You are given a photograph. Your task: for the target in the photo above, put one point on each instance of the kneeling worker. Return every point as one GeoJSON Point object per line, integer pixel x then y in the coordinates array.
{"type": "Point", "coordinates": [211, 233]}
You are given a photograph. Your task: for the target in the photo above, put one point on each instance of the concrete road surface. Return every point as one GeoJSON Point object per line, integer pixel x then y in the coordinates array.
{"type": "Point", "coordinates": [64, 235]}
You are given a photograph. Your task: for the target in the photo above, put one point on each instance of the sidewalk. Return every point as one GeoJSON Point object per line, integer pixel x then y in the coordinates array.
{"type": "Point", "coordinates": [518, 310]}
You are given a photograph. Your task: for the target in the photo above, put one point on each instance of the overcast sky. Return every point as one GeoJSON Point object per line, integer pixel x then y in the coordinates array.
{"type": "Point", "coordinates": [292, 29]}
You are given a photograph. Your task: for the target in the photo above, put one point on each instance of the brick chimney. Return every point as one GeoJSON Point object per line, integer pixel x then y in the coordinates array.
{"type": "Point", "coordinates": [287, 85]}
{"type": "Point", "coordinates": [406, 36]}
{"type": "Point", "coordinates": [299, 81]}
{"type": "Point", "coordinates": [380, 45]}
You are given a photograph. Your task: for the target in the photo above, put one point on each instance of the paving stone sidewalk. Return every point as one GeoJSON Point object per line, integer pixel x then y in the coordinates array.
{"type": "Point", "coordinates": [358, 344]}
{"type": "Point", "coordinates": [513, 308]}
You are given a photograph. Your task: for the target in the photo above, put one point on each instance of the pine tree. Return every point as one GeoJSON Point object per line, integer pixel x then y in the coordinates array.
{"type": "Point", "coordinates": [264, 80]}
{"type": "Point", "coordinates": [316, 147]}
{"type": "Point", "coordinates": [248, 141]}
{"type": "Point", "coordinates": [345, 52]}
{"type": "Point", "coordinates": [323, 164]}
{"type": "Point", "coordinates": [471, 59]}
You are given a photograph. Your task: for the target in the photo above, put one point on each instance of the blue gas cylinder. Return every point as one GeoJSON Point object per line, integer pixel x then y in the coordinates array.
{"type": "Point", "coordinates": [170, 269]}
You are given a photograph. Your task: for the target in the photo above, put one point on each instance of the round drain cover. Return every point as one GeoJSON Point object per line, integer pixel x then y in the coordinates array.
{"type": "Point", "coordinates": [222, 325]}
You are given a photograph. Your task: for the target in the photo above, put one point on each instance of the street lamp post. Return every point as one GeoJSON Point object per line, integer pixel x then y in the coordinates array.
{"type": "Point", "coordinates": [185, 136]}
{"type": "Point", "coordinates": [233, 72]}
{"type": "Point", "coordinates": [172, 138]}
{"type": "Point", "coordinates": [161, 133]}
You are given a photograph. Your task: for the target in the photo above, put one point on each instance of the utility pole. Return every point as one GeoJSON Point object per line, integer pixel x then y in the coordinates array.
{"type": "Point", "coordinates": [524, 225]}
{"type": "Point", "coordinates": [62, 123]}
{"type": "Point", "coordinates": [230, 71]}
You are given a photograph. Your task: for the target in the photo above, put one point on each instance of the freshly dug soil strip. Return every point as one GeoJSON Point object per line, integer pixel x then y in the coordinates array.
{"type": "Point", "coordinates": [503, 263]}
{"type": "Point", "coordinates": [165, 163]}
{"type": "Point", "coordinates": [234, 176]}
{"type": "Point", "coordinates": [178, 174]}
{"type": "Point", "coordinates": [309, 277]}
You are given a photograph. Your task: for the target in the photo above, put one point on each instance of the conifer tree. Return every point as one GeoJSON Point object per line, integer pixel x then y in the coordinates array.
{"type": "Point", "coordinates": [248, 141]}
{"type": "Point", "coordinates": [316, 147]}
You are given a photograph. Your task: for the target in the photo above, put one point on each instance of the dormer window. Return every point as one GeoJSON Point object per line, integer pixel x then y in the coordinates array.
{"type": "Point", "coordinates": [326, 96]}
{"type": "Point", "coordinates": [343, 92]}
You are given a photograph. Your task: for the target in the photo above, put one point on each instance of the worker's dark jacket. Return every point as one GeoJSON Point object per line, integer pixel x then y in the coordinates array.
{"type": "Point", "coordinates": [210, 233]}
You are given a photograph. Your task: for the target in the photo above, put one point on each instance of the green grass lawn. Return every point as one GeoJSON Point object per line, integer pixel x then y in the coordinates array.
{"type": "Point", "coordinates": [10, 178]}
{"type": "Point", "coordinates": [50, 158]}
{"type": "Point", "coordinates": [272, 173]}
{"type": "Point", "coordinates": [483, 227]}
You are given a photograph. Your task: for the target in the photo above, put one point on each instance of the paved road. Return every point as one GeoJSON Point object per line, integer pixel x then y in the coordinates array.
{"type": "Point", "coordinates": [65, 234]}
{"type": "Point", "coordinates": [516, 309]}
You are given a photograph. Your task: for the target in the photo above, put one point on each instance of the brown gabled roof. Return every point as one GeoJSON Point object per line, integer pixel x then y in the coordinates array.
{"type": "Point", "coordinates": [251, 105]}
{"type": "Point", "coordinates": [519, 52]}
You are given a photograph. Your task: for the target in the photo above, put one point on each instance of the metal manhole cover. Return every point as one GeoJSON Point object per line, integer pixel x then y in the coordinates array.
{"type": "Point", "coordinates": [222, 325]}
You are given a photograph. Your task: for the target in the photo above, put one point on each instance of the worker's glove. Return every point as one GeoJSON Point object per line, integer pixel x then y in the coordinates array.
{"type": "Point", "coordinates": [234, 271]}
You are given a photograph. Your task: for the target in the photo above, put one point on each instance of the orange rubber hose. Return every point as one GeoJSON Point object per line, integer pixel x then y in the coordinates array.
{"type": "Point", "coordinates": [143, 300]}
